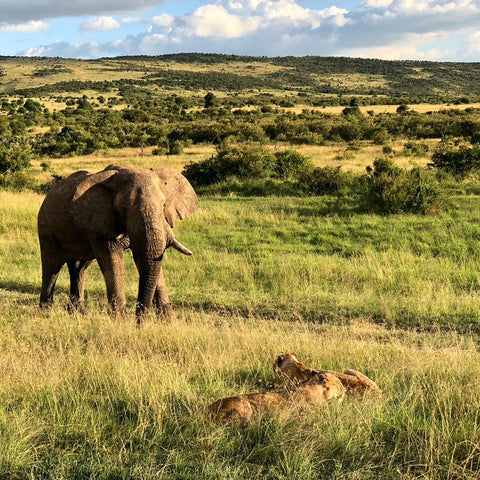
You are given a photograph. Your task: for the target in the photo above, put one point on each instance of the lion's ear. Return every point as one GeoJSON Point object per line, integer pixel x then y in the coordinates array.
{"type": "Point", "coordinates": [321, 376]}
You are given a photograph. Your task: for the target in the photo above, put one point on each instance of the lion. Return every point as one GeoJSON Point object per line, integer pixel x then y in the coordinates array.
{"type": "Point", "coordinates": [319, 389]}
{"type": "Point", "coordinates": [291, 372]}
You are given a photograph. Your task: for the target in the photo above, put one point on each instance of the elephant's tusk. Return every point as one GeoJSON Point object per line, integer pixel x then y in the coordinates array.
{"type": "Point", "coordinates": [178, 246]}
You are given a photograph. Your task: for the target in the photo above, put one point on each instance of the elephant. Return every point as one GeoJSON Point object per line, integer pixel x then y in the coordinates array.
{"type": "Point", "coordinates": [97, 216]}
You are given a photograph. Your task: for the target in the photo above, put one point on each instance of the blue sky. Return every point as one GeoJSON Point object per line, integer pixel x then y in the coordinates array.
{"type": "Point", "coordinates": [444, 30]}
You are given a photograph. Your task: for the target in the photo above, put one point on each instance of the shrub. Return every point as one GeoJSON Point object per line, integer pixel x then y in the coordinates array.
{"type": "Point", "coordinates": [210, 100]}
{"type": "Point", "coordinates": [47, 186]}
{"type": "Point", "coordinates": [159, 151]}
{"type": "Point", "coordinates": [352, 110]}
{"type": "Point", "coordinates": [258, 187]}
{"type": "Point", "coordinates": [175, 148]}
{"type": "Point", "coordinates": [290, 164]}
{"type": "Point", "coordinates": [390, 189]}
{"type": "Point", "coordinates": [14, 155]}
{"type": "Point", "coordinates": [18, 181]}
{"type": "Point", "coordinates": [475, 140]}
{"type": "Point", "coordinates": [387, 150]}
{"type": "Point", "coordinates": [456, 161]}
{"type": "Point", "coordinates": [231, 161]}
{"type": "Point", "coordinates": [414, 149]}
{"type": "Point", "coordinates": [324, 180]}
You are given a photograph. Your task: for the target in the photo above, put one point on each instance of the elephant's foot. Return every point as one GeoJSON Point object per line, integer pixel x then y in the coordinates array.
{"type": "Point", "coordinates": [45, 304]}
{"type": "Point", "coordinates": [164, 311]}
{"type": "Point", "coordinates": [117, 312]}
{"type": "Point", "coordinates": [117, 308]}
{"type": "Point", "coordinates": [76, 306]}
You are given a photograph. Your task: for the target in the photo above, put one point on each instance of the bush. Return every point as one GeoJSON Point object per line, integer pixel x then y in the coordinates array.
{"type": "Point", "coordinates": [390, 189]}
{"type": "Point", "coordinates": [325, 180]}
{"type": "Point", "coordinates": [18, 181]}
{"type": "Point", "coordinates": [232, 161]}
{"type": "Point", "coordinates": [210, 100]}
{"type": "Point", "coordinates": [256, 187]}
{"type": "Point", "coordinates": [456, 161]}
{"type": "Point", "coordinates": [175, 148]}
{"type": "Point", "coordinates": [290, 164]}
{"type": "Point", "coordinates": [244, 162]}
{"type": "Point", "coordinates": [14, 155]}
{"type": "Point", "coordinates": [475, 140]}
{"type": "Point", "coordinates": [414, 149]}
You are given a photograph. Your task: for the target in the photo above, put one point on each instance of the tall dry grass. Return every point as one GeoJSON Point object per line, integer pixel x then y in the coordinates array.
{"type": "Point", "coordinates": [93, 397]}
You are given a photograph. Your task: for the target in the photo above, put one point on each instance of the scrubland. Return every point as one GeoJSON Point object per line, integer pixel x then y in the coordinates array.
{"type": "Point", "coordinates": [396, 297]}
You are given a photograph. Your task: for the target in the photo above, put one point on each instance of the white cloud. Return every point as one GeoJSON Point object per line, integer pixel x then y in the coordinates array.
{"type": "Point", "coordinates": [215, 21]}
{"type": "Point", "coordinates": [164, 20]}
{"type": "Point", "coordinates": [471, 45]}
{"type": "Point", "coordinates": [378, 3]}
{"type": "Point", "coordinates": [375, 28]}
{"type": "Point", "coordinates": [63, 49]}
{"type": "Point", "coordinates": [133, 20]}
{"type": "Point", "coordinates": [32, 26]}
{"type": "Point", "coordinates": [434, 7]}
{"type": "Point", "coordinates": [100, 23]}
{"type": "Point", "coordinates": [409, 47]}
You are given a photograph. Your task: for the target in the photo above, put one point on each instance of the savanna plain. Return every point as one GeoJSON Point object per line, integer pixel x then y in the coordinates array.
{"type": "Point", "coordinates": [397, 297]}
{"type": "Point", "coordinates": [394, 296]}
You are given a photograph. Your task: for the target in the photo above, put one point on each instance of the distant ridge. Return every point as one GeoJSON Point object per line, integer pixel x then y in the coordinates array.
{"type": "Point", "coordinates": [198, 71]}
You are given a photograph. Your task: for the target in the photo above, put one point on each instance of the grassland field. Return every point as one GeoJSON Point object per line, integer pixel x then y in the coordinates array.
{"type": "Point", "coordinates": [396, 297]}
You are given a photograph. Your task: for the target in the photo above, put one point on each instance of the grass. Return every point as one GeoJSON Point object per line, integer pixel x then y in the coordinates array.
{"type": "Point", "coordinates": [378, 109]}
{"type": "Point", "coordinates": [87, 397]}
{"type": "Point", "coordinates": [396, 297]}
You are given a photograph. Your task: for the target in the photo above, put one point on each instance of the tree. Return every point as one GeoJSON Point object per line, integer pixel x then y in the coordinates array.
{"type": "Point", "coordinates": [210, 100]}
{"type": "Point", "coordinates": [32, 106]}
{"type": "Point", "coordinates": [14, 155]}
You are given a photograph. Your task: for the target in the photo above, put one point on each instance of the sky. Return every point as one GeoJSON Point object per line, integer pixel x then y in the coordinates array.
{"type": "Point", "coordinates": [437, 30]}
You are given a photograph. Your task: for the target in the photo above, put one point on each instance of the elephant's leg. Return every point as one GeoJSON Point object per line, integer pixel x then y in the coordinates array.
{"type": "Point", "coordinates": [78, 272]}
{"type": "Point", "coordinates": [52, 263]}
{"type": "Point", "coordinates": [49, 278]}
{"type": "Point", "coordinates": [110, 260]}
{"type": "Point", "coordinates": [161, 300]}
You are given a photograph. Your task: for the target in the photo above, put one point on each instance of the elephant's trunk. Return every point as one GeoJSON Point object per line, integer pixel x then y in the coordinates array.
{"type": "Point", "coordinates": [150, 235]}
{"type": "Point", "coordinates": [149, 275]}
{"type": "Point", "coordinates": [147, 242]}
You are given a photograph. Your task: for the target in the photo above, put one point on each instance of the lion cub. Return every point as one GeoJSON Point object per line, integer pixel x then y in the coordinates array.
{"type": "Point", "coordinates": [318, 389]}
{"type": "Point", "coordinates": [291, 372]}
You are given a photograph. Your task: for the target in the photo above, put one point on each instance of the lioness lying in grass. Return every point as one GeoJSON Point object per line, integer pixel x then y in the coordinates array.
{"type": "Point", "coordinates": [291, 373]}
{"type": "Point", "coordinates": [318, 389]}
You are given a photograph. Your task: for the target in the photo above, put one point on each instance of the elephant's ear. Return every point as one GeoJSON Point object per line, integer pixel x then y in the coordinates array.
{"type": "Point", "coordinates": [181, 199]}
{"type": "Point", "coordinates": [92, 205]}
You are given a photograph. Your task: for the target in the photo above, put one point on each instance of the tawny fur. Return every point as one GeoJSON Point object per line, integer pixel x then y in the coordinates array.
{"type": "Point", "coordinates": [292, 372]}
{"type": "Point", "coordinates": [315, 392]}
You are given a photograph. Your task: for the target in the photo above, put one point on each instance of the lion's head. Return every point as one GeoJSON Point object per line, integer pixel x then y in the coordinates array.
{"type": "Point", "coordinates": [322, 387]}
{"type": "Point", "coordinates": [290, 372]}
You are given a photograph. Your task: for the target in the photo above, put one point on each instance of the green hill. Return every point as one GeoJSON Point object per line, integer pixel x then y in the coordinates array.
{"type": "Point", "coordinates": [304, 76]}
